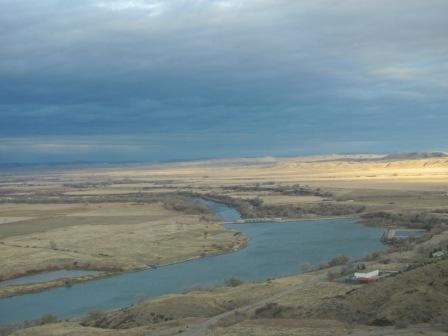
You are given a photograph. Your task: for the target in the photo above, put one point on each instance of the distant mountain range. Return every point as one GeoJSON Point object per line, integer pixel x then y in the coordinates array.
{"type": "Point", "coordinates": [416, 155]}
{"type": "Point", "coordinates": [256, 161]}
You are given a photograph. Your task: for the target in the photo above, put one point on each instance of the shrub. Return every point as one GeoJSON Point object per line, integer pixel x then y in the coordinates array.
{"type": "Point", "coordinates": [373, 256]}
{"type": "Point", "coordinates": [233, 319]}
{"type": "Point", "coordinates": [53, 245]}
{"type": "Point", "coordinates": [96, 315]}
{"type": "Point", "coordinates": [233, 282]}
{"type": "Point", "coordinates": [68, 283]}
{"type": "Point", "coordinates": [6, 330]}
{"type": "Point", "coordinates": [401, 325]}
{"type": "Point", "coordinates": [94, 318]}
{"type": "Point", "coordinates": [339, 260]}
{"type": "Point", "coordinates": [200, 288]}
{"type": "Point", "coordinates": [47, 319]}
{"type": "Point", "coordinates": [331, 276]}
{"type": "Point", "coordinates": [381, 322]}
{"type": "Point", "coordinates": [272, 310]}
{"type": "Point", "coordinates": [306, 267]}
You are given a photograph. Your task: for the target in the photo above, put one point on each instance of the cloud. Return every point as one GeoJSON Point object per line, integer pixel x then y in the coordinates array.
{"type": "Point", "coordinates": [119, 5]}
{"type": "Point", "coordinates": [320, 69]}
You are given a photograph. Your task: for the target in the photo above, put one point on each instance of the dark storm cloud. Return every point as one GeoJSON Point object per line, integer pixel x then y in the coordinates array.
{"type": "Point", "coordinates": [337, 75]}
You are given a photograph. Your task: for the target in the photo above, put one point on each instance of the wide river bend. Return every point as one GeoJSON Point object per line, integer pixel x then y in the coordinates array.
{"type": "Point", "coordinates": [274, 250]}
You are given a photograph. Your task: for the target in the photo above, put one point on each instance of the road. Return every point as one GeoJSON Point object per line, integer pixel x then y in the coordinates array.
{"type": "Point", "coordinates": [199, 328]}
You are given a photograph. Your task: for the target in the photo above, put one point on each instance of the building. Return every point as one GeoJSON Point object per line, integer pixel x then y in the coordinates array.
{"type": "Point", "coordinates": [370, 277]}
{"type": "Point", "coordinates": [397, 234]}
{"type": "Point", "coordinates": [439, 254]}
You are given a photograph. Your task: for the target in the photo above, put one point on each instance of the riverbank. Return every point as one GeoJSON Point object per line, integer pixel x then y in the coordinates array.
{"type": "Point", "coordinates": [275, 249]}
{"type": "Point", "coordinates": [131, 218]}
{"type": "Point", "coordinates": [137, 204]}
{"type": "Point", "coordinates": [14, 290]}
{"type": "Point", "coordinates": [265, 309]}
{"type": "Point", "coordinates": [286, 220]}
{"type": "Point", "coordinates": [307, 304]}
{"type": "Point", "coordinates": [112, 238]}
{"type": "Point", "coordinates": [240, 243]}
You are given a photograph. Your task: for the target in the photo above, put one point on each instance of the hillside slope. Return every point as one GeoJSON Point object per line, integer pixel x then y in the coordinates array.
{"type": "Point", "coordinates": [416, 296]}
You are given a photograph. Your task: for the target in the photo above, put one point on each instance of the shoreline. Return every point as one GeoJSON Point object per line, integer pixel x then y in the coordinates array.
{"type": "Point", "coordinates": [37, 287]}
{"type": "Point", "coordinates": [243, 242]}
{"type": "Point", "coordinates": [17, 290]}
{"type": "Point", "coordinates": [287, 220]}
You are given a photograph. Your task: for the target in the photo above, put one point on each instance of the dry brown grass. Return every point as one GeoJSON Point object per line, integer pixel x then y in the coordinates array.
{"type": "Point", "coordinates": [283, 327]}
{"type": "Point", "coordinates": [74, 329]}
{"type": "Point", "coordinates": [114, 237]}
{"type": "Point", "coordinates": [123, 236]}
{"type": "Point", "coordinates": [198, 304]}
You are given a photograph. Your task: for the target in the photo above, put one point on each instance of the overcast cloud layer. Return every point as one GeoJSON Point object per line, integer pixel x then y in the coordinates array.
{"type": "Point", "coordinates": [184, 79]}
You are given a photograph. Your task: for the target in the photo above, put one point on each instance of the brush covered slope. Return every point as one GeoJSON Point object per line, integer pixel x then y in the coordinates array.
{"type": "Point", "coordinates": [419, 295]}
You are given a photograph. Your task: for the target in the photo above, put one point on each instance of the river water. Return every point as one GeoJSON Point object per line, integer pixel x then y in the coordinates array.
{"type": "Point", "coordinates": [275, 249]}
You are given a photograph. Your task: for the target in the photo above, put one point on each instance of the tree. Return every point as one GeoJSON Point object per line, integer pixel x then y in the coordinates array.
{"type": "Point", "coordinates": [47, 319]}
{"type": "Point", "coordinates": [339, 260]}
{"type": "Point", "coordinates": [233, 282]}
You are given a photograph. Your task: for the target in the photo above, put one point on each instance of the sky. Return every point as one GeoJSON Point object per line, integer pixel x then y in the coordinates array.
{"type": "Point", "coordinates": [164, 80]}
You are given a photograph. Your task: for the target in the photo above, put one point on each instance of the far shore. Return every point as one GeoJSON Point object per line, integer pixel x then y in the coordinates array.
{"type": "Point", "coordinates": [286, 220]}
{"type": "Point", "coordinates": [24, 289]}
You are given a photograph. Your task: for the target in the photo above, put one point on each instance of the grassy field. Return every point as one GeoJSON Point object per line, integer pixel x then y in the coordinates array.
{"type": "Point", "coordinates": [117, 219]}
{"type": "Point", "coordinates": [104, 236]}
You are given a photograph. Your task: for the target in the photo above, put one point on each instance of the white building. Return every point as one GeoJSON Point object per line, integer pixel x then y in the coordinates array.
{"type": "Point", "coordinates": [370, 275]}
{"type": "Point", "coordinates": [438, 254]}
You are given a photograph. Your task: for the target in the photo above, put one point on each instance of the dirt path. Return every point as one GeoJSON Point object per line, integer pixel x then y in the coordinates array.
{"type": "Point", "coordinates": [199, 328]}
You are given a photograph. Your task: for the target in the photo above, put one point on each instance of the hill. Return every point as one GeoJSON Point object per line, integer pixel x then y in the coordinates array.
{"type": "Point", "coordinates": [416, 296]}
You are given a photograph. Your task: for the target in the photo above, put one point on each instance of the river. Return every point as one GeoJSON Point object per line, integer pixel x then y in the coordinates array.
{"type": "Point", "coordinates": [274, 250]}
